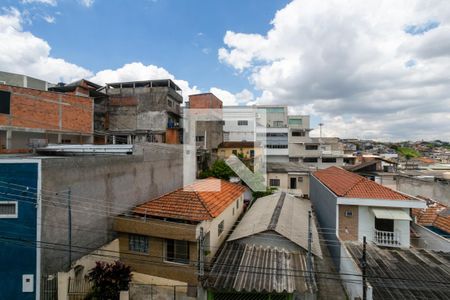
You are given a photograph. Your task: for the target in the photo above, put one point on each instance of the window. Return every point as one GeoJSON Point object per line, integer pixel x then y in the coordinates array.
{"type": "Point", "coordinates": [252, 153]}
{"type": "Point", "coordinates": [278, 124]}
{"type": "Point", "coordinates": [348, 213]}
{"type": "Point", "coordinates": [298, 133]}
{"type": "Point", "coordinates": [311, 147]}
{"type": "Point", "coordinates": [177, 251]}
{"type": "Point", "coordinates": [295, 121]}
{"type": "Point", "coordinates": [199, 138]}
{"type": "Point", "coordinates": [220, 228]}
{"type": "Point", "coordinates": [8, 210]}
{"type": "Point", "coordinates": [276, 134]}
{"type": "Point", "coordinates": [300, 179]}
{"type": "Point", "coordinates": [329, 159]}
{"type": "Point", "coordinates": [5, 102]}
{"type": "Point", "coordinates": [242, 122]}
{"type": "Point", "coordinates": [293, 159]}
{"type": "Point", "coordinates": [274, 182]}
{"type": "Point", "coordinates": [310, 159]}
{"type": "Point", "coordinates": [233, 211]}
{"type": "Point", "coordinates": [66, 141]}
{"type": "Point", "coordinates": [237, 203]}
{"type": "Point", "coordinates": [277, 146]}
{"type": "Point", "coordinates": [275, 109]}
{"type": "Point", "coordinates": [138, 243]}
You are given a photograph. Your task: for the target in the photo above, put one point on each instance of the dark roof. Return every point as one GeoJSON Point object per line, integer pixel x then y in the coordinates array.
{"type": "Point", "coordinates": [244, 144]}
{"type": "Point", "coordinates": [347, 184]}
{"type": "Point", "coordinates": [405, 273]}
{"type": "Point", "coordinates": [250, 268]}
{"type": "Point", "coordinates": [285, 167]}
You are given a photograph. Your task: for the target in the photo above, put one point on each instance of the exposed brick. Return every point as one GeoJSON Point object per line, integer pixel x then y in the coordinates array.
{"type": "Point", "coordinates": [348, 226]}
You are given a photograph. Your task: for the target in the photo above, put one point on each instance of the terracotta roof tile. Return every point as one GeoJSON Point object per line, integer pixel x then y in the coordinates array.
{"type": "Point", "coordinates": [351, 185]}
{"type": "Point", "coordinates": [435, 214]}
{"type": "Point", "coordinates": [194, 202]}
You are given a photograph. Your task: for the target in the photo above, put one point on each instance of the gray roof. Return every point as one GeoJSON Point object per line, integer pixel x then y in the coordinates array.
{"type": "Point", "coordinates": [286, 167]}
{"type": "Point", "coordinates": [405, 273]}
{"type": "Point", "coordinates": [242, 267]}
{"type": "Point", "coordinates": [282, 213]}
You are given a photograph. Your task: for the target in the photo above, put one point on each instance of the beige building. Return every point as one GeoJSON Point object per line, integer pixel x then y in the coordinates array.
{"type": "Point", "coordinates": [247, 150]}
{"type": "Point", "coordinates": [162, 237]}
{"type": "Point", "coordinates": [291, 177]}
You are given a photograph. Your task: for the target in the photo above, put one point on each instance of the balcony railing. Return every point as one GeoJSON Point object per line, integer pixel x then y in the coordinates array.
{"type": "Point", "coordinates": [387, 238]}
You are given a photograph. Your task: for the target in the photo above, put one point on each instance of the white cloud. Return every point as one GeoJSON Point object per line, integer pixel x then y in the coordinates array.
{"type": "Point", "coordinates": [22, 52]}
{"type": "Point", "coordinates": [87, 3]}
{"type": "Point", "coordinates": [350, 63]}
{"type": "Point", "coordinates": [49, 19]}
{"type": "Point", "coordinates": [48, 2]}
{"type": "Point", "coordinates": [244, 97]}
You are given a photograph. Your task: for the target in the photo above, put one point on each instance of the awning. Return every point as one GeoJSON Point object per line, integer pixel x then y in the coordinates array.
{"type": "Point", "coordinates": [391, 213]}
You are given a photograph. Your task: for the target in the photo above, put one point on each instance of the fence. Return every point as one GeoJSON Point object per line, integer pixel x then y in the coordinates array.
{"type": "Point", "coordinates": [160, 292]}
{"type": "Point", "coordinates": [49, 288]}
{"type": "Point", "coordinates": [78, 288]}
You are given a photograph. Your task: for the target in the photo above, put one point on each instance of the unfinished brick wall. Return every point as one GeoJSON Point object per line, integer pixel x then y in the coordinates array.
{"type": "Point", "coordinates": [38, 109]}
{"type": "Point", "coordinates": [348, 225]}
{"type": "Point", "coordinates": [207, 100]}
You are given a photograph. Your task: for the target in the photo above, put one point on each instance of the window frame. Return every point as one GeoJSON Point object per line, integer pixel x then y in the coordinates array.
{"type": "Point", "coordinates": [139, 236]}
{"type": "Point", "coordinates": [8, 105]}
{"type": "Point", "coordinates": [242, 122]}
{"type": "Point", "coordinates": [16, 210]}
{"type": "Point", "coordinates": [271, 180]}
{"type": "Point", "coordinates": [176, 260]}
{"type": "Point", "coordinates": [220, 227]}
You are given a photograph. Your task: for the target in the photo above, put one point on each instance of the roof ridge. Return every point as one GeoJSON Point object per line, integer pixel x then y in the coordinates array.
{"type": "Point", "coordinates": [355, 185]}
{"type": "Point", "coordinates": [199, 197]}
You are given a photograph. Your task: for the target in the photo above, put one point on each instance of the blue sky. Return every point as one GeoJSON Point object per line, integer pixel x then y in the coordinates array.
{"type": "Point", "coordinates": [367, 69]}
{"type": "Point", "coordinates": [181, 36]}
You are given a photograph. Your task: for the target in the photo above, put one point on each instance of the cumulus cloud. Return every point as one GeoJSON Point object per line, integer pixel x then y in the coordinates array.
{"type": "Point", "coordinates": [49, 19]}
{"type": "Point", "coordinates": [22, 52]}
{"type": "Point", "coordinates": [48, 2]}
{"type": "Point", "coordinates": [377, 69]}
{"type": "Point", "coordinates": [244, 97]}
{"type": "Point", "coordinates": [87, 3]}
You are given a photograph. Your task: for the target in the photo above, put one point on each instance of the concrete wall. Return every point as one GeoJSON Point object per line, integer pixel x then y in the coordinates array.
{"type": "Point", "coordinates": [23, 81]}
{"type": "Point", "coordinates": [102, 187]}
{"type": "Point", "coordinates": [285, 181]}
{"type": "Point", "coordinates": [430, 240]}
{"type": "Point", "coordinates": [436, 190]}
{"type": "Point", "coordinates": [325, 207]}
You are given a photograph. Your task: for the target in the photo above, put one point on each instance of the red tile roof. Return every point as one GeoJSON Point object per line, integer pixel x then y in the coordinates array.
{"type": "Point", "coordinates": [351, 185]}
{"type": "Point", "coordinates": [435, 214]}
{"type": "Point", "coordinates": [194, 202]}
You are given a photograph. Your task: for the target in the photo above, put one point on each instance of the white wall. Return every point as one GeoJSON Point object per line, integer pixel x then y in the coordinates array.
{"type": "Point", "coordinates": [366, 226]}
{"type": "Point", "coordinates": [430, 240]}
{"type": "Point", "coordinates": [229, 220]}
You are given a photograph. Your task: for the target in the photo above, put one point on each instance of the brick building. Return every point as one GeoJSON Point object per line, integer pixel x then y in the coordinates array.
{"type": "Point", "coordinates": [35, 117]}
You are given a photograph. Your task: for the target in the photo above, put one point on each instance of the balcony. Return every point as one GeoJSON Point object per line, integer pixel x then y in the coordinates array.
{"type": "Point", "coordinates": [387, 238]}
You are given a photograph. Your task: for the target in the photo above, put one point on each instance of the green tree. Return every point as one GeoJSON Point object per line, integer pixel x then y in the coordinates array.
{"type": "Point", "coordinates": [219, 169]}
{"type": "Point", "coordinates": [108, 280]}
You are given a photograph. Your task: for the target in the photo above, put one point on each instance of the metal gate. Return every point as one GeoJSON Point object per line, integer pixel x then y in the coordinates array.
{"type": "Point", "coordinates": [49, 287]}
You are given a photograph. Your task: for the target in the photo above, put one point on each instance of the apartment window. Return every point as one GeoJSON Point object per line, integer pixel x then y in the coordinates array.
{"type": "Point", "coordinates": [138, 243]}
{"type": "Point", "coordinates": [348, 213]}
{"type": "Point", "coordinates": [5, 102]}
{"type": "Point", "coordinates": [277, 123]}
{"type": "Point", "coordinates": [310, 159]}
{"type": "Point", "coordinates": [177, 251]}
{"type": "Point", "coordinates": [220, 227]}
{"type": "Point", "coordinates": [295, 121]}
{"type": "Point", "coordinates": [329, 159]}
{"type": "Point", "coordinates": [242, 122]}
{"type": "Point", "coordinates": [311, 147]}
{"type": "Point", "coordinates": [298, 133]}
{"type": "Point", "coordinates": [277, 146]}
{"type": "Point", "coordinates": [8, 210]}
{"type": "Point", "coordinates": [274, 182]}
{"type": "Point", "coordinates": [199, 138]}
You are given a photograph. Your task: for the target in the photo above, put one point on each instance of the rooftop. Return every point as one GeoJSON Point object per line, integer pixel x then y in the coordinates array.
{"type": "Point", "coordinates": [286, 167]}
{"type": "Point", "coordinates": [145, 83]}
{"type": "Point", "coordinates": [435, 214]}
{"type": "Point", "coordinates": [194, 202]}
{"type": "Point", "coordinates": [405, 273]}
{"type": "Point", "coordinates": [350, 185]}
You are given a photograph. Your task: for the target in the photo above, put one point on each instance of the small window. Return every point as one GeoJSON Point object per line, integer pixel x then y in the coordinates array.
{"type": "Point", "coordinates": [300, 179]}
{"type": "Point", "coordinates": [348, 213]}
{"type": "Point", "coordinates": [311, 147]}
{"type": "Point", "coordinates": [298, 133]}
{"type": "Point", "coordinates": [242, 122]}
{"type": "Point", "coordinates": [5, 102]}
{"type": "Point", "coordinates": [177, 251]}
{"type": "Point", "coordinates": [138, 243]}
{"type": "Point", "coordinates": [233, 211]}
{"type": "Point", "coordinates": [8, 210]}
{"type": "Point", "coordinates": [274, 182]}
{"type": "Point", "coordinates": [220, 228]}
{"type": "Point", "coordinates": [310, 159]}
{"type": "Point", "coordinates": [237, 203]}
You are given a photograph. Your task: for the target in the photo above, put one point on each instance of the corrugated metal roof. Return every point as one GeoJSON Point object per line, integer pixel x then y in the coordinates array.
{"type": "Point", "coordinates": [291, 222]}
{"type": "Point", "coordinates": [249, 268]}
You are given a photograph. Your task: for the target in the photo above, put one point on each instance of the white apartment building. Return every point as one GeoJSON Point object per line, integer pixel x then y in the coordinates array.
{"type": "Point", "coordinates": [312, 151]}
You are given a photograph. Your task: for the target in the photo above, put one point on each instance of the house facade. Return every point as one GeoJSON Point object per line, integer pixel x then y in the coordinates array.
{"type": "Point", "coordinates": [290, 177]}
{"type": "Point", "coordinates": [353, 207]}
{"type": "Point", "coordinates": [162, 237]}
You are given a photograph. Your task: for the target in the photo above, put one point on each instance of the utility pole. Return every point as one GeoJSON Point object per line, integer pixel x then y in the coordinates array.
{"type": "Point", "coordinates": [309, 256]}
{"type": "Point", "coordinates": [69, 210]}
{"type": "Point", "coordinates": [363, 269]}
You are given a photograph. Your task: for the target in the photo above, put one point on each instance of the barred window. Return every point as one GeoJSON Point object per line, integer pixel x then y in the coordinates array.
{"type": "Point", "coordinates": [177, 251]}
{"type": "Point", "coordinates": [138, 243]}
{"type": "Point", "coordinates": [8, 209]}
